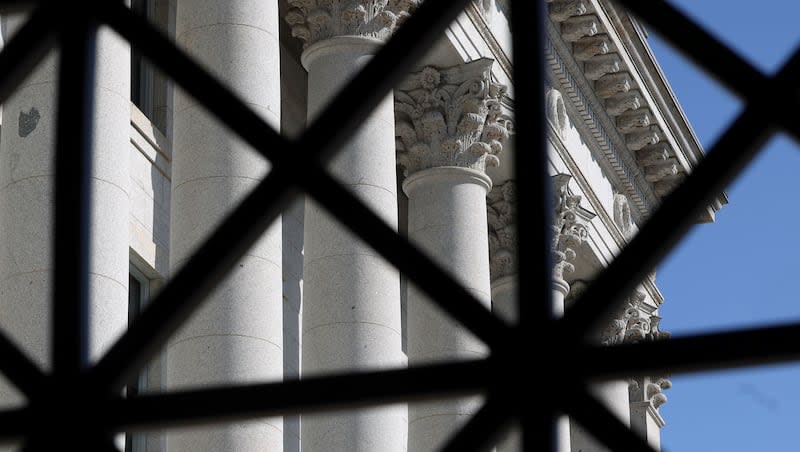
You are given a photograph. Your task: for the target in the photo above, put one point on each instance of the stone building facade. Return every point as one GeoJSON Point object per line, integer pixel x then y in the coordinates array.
{"type": "Point", "coordinates": [434, 160]}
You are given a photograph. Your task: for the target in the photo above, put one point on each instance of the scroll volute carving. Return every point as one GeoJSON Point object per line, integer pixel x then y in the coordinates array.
{"type": "Point", "coordinates": [450, 117]}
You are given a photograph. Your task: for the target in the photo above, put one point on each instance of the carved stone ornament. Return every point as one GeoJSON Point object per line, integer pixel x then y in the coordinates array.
{"type": "Point", "coordinates": [629, 325]}
{"type": "Point", "coordinates": [316, 20]}
{"type": "Point", "coordinates": [450, 117]}
{"type": "Point", "coordinates": [501, 205]}
{"type": "Point", "coordinates": [622, 215]}
{"type": "Point", "coordinates": [649, 389]}
{"type": "Point", "coordinates": [569, 230]}
{"type": "Point", "coordinates": [556, 111]}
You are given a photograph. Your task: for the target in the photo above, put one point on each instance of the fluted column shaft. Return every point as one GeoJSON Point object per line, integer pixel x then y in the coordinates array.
{"type": "Point", "coordinates": [505, 302]}
{"type": "Point", "coordinates": [26, 203]}
{"type": "Point", "coordinates": [236, 336]}
{"type": "Point", "coordinates": [451, 127]}
{"type": "Point", "coordinates": [351, 296]}
{"type": "Point", "coordinates": [446, 218]}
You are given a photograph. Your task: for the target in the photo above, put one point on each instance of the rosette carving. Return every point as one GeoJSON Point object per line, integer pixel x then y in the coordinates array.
{"type": "Point", "coordinates": [450, 117]}
{"type": "Point", "coordinates": [501, 213]}
{"type": "Point", "coordinates": [316, 20]}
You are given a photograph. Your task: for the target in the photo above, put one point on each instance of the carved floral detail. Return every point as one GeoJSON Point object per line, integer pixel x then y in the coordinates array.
{"type": "Point", "coordinates": [650, 390]}
{"type": "Point", "coordinates": [569, 230]}
{"type": "Point", "coordinates": [450, 117]}
{"type": "Point", "coordinates": [629, 325]}
{"type": "Point", "coordinates": [501, 212]}
{"type": "Point", "coordinates": [317, 20]}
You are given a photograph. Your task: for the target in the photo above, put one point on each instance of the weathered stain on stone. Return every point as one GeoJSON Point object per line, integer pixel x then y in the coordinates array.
{"type": "Point", "coordinates": [28, 121]}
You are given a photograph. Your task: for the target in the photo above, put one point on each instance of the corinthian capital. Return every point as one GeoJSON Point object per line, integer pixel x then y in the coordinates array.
{"type": "Point", "coordinates": [501, 205]}
{"type": "Point", "coordinates": [450, 117]}
{"type": "Point", "coordinates": [569, 226]}
{"type": "Point", "coordinates": [317, 20]}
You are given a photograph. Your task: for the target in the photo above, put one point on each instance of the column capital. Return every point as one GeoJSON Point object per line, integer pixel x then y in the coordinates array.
{"type": "Point", "coordinates": [501, 214]}
{"type": "Point", "coordinates": [450, 117]}
{"type": "Point", "coordinates": [569, 226]}
{"type": "Point", "coordinates": [316, 20]}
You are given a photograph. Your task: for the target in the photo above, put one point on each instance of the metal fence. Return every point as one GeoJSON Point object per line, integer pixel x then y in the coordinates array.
{"type": "Point", "coordinates": [532, 399]}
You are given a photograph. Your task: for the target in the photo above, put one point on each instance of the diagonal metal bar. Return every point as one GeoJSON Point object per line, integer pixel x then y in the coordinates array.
{"type": "Point", "coordinates": [482, 430]}
{"type": "Point", "coordinates": [443, 289]}
{"type": "Point", "coordinates": [672, 220]}
{"type": "Point", "coordinates": [696, 353]}
{"type": "Point", "coordinates": [20, 55]}
{"type": "Point", "coordinates": [668, 224]}
{"type": "Point", "coordinates": [73, 168]}
{"type": "Point", "coordinates": [125, 356]}
{"type": "Point", "coordinates": [312, 394]}
{"type": "Point", "coordinates": [193, 78]}
{"type": "Point", "coordinates": [26, 49]}
{"type": "Point", "coordinates": [602, 423]}
{"type": "Point", "coordinates": [725, 65]}
{"type": "Point", "coordinates": [198, 277]}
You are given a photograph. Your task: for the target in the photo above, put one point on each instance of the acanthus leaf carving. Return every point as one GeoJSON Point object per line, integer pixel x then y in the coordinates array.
{"type": "Point", "coordinates": [450, 117]}
{"type": "Point", "coordinates": [316, 20]}
{"type": "Point", "coordinates": [501, 213]}
{"type": "Point", "coordinates": [569, 229]}
{"type": "Point", "coordinates": [628, 325]}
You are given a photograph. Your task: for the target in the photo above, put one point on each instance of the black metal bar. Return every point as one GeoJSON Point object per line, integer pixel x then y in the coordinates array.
{"type": "Point", "coordinates": [73, 167]}
{"type": "Point", "coordinates": [534, 202]}
{"type": "Point", "coordinates": [198, 277]}
{"type": "Point", "coordinates": [672, 220]}
{"type": "Point", "coordinates": [443, 289]}
{"type": "Point", "coordinates": [14, 422]}
{"type": "Point", "coordinates": [722, 63]}
{"type": "Point", "coordinates": [696, 353]}
{"type": "Point", "coordinates": [26, 49]}
{"type": "Point", "coordinates": [482, 430]}
{"type": "Point", "coordinates": [602, 423]}
{"type": "Point", "coordinates": [193, 78]}
{"type": "Point", "coordinates": [668, 224]}
{"type": "Point", "coordinates": [312, 394]}
{"type": "Point", "coordinates": [716, 58]}
{"type": "Point", "coordinates": [538, 426]}
{"type": "Point", "coordinates": [16, 6]}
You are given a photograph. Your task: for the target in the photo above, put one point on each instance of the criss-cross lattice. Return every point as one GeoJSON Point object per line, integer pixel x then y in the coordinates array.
{"type": "Point", "coordinates": [532, 399]}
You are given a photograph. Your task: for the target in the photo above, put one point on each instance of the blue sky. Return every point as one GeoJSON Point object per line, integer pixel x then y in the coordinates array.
{"type": "Point", "coordinates": [740, 271]}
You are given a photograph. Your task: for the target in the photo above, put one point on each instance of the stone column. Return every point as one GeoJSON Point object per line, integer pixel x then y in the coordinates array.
{"type": "Point", "coordinates": [351, 296]}
{"type": "Point", "coordinates": [450, 128]}
{"type": "Point", "coordinates": [236, 336]}
{"type": "Point", "coordinates": [629, 325]}
{"type": "Point", "coordinates": [501, 211]}
{"type": "Point", "coordinates": [647, 395]}
{"type": "Point", "coordinates": [26, 203]}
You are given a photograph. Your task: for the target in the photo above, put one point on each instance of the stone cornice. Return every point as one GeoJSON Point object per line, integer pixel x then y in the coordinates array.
{"type": "Point", "coordinates": [661, 147]}
{"type": "Point", "coordinates": [450, 117]}
{"type": "Point", "coordinates": [316, 20]}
